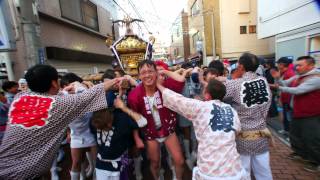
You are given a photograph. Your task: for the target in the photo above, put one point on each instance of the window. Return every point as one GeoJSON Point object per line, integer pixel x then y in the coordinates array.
{"type": "Point", "coordinates": [252, 29]}
{"type": "Point", "coordinates": [81, 11]}
{"type": "Point", "coordinates": [178, 32]}
{"type": "Point", "coordinates": [195, 39]}
{"type": "Point", "coordinates": [176, 51]}
{"type": "Point", "coordinates": [243, 29]}
{"type": "Point", "coordinates": [195, 8]}
{"type": "Point", "coordinates": [89, 14]}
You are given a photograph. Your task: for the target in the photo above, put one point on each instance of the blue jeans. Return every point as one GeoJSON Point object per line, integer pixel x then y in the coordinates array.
{"type": "Point", "coordinates": [287, 116]}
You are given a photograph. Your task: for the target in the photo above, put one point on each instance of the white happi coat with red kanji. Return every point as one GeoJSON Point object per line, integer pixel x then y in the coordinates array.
{"type": "Point", "coordinates": [215, 124]}
{"type": "Point", "coordinates": [37, 125]}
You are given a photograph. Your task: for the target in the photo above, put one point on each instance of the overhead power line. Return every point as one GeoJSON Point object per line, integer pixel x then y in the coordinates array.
{"type": "Point", "coordinates": [115, 2]}
{"type": "Point", "coordinates": [138, 14]}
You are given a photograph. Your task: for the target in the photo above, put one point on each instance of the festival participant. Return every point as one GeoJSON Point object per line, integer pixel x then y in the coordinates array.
{"type": "Point", "coordinates": [146, 100]}
{"type": "Point", "coordinates": [251, 97]}
{"type": "Point", "coordinates": [216, 125]}
{"type": "Point", "coordinates": [4, 109]}
{"type": "Point", "coordinates": [111, 96]}
{"type": "Point", "coordinates": [81, 139]}
{"type": "Point", "coordinates": [192, 89]}
{"type": "Point", "coordinates": [11, 89]}
{"type": "Point", "coordinates": [113, 129]}
{"type": "Point", "coordinates": [23, 85]}
{"type": "Point", "coordinates": [304, 132]}
{"type": "Point", "coordinates": [38, 120]}
{"type": "Point", "coordinates": [285, 98]}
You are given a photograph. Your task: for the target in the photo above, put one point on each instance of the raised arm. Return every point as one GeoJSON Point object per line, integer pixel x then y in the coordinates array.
{"type": "Point", "coordinates": [174, 75]}
{"type": "Point", "coordinates": [187, 107]}
{"type": "Point", "coordinates": [140, 120]}
{"type": "Point", "coordinates": [131, 80]}
{"type": "Point", "coordinates": [308, 86]}
{"type": "Point", "coordinates": [89, 100]}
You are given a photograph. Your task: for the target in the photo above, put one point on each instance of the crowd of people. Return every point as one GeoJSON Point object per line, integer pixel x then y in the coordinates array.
{"type": "Point", "coordinates": [213, 119]}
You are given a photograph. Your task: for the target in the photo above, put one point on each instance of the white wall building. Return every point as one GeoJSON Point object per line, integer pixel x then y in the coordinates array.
{"type": "Point", "coordinates": [295, 25]}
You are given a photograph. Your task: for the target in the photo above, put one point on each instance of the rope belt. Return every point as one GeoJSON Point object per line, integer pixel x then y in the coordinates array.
{"type": "Point", "coordinates": [114, 162]}
{"type": "Point", "coordinates": [254, 135]}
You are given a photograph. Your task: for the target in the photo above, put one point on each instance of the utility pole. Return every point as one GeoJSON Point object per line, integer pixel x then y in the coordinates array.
{"type": "Point", "coordinates": [31, 31]}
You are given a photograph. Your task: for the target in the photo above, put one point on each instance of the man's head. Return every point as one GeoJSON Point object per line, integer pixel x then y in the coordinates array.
{"type": "Point", "coordinates": [3, 98]}
{"type": "Point", "coordinates": [119, 73]}
{"type": "Point", "coordinates": [23, 85]}
{"type": "Point", "coordinates": [161, 66]}
{"type": "Point", "coordinates": [108, 75]}
{"type": "Point", "coordinates": [148, 73]}
{"type": "Point", "coordinates": [214, 90]}
{"type": "Point", "coordinates": [218, 65]}
{"type": "Point", "coordinates": [305, 64]}
{"type": "Point", "coordinates": [283, 64]}
{"type": "Point", "coordinates": [10, 87]}
{"type": "Point", "coordinates": [270, 64]}
{"type": "Point", "coordinates": [248, 63]}
{"type": "Point", "coordinates": [69, 78]}
{"type": "Point", "coordinates": [43, 79]}
{"type": "Point", "coordinates": [210, 73]}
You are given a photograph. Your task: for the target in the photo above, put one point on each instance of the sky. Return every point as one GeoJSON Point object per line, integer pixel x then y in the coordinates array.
{"type": "Point", "coordinates": [157, 14]}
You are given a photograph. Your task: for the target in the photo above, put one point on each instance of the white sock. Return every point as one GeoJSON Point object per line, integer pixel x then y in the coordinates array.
{"type": "Point", "coordinates": [54, 170]}
{"type": "Point", "coordinates": [137, 166]}
{"type": "Point", "coordinates": [194, 144]}
{"type": "Point", "coordinates": [194, 156]}
{"type": "Point", "coordinates": [83, 172]}
{"type": "Point", "coordinates": [74, 175]}
{"type": "Point", "coordinates": [90, 166]}
{"type": "Point", "coordinates": [186, 145]}
{"type": "Point", "coordinates": [60, 155]}
{"type": "Point", "coordinates": [54, 174]}
{"type": "Point", "coordinates": [161, 174]}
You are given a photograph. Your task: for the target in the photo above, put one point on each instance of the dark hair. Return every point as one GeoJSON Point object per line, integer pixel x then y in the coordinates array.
{"type": "Point", "coordinates": [309, 59]}
{"type": "Point", "coordinates": [249, 61]}
{"type": "Point", "coordinates": [148, 63]}
{"type": "Point", "coordinates": [285, 61]}
{"type": "Point", "coordinates": [8, 85]}
{"type": "Point", "coordinates": [217, 65]}
{"type": "Point", "coordinates": [69, 78]}
{"type": "Point", "coordinates": [109, 74]}
{"type": "Point", "coordinates": [271, 63]}
{"type": "Point", "coordinates": [216, 89]}
{"type": "Point", "coordinates": [186, 65]}
{"type": "Point", "coordinates": [121, 72]}
{"type": "Point", "coordinates": [102, 119]}
{"type": "Point", "coordinates": [213, 71]}
{"type": "Point", "coordinates": [40, 77]}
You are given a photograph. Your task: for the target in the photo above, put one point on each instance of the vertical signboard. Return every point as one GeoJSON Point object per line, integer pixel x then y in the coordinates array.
{"type": "Point", "coordinates": [41, 55]}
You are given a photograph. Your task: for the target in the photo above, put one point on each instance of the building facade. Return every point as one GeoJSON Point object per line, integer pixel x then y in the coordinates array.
{"type": "Point", "coordinates": [72, 36]}
{"type": "Point", "coordinates": [225, 29]}
{"type": "Point", "coordinates": [294, 24]}
{"type": "Point", "coordinates": [180, 44]}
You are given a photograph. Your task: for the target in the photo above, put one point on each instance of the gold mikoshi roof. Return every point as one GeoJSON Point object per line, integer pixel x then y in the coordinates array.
{"type": "Point", "coordinates": [131, 44]}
